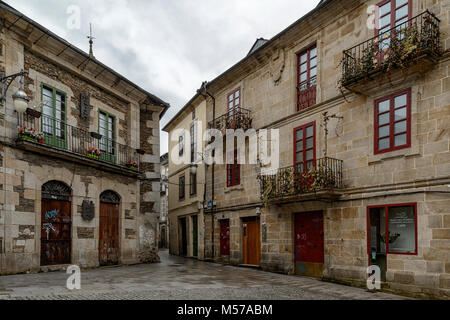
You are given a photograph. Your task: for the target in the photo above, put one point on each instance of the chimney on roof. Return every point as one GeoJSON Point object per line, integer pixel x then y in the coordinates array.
{"type": "Point", "coordinates": [91, 41]}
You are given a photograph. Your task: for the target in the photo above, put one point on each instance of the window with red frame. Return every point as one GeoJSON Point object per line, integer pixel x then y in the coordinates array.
{"type": "Point", "coordinates": [393, 228]}
{"type": "Point", "coordinates": [305, 147]}
{"type": "Point", "coordinates": [234, 102]}
{"type": "Point", "coordinates": [393, 122]}
{"type": "Point", "coordinates": [307, 78]}
{"type": "Point", "coordinates": [392, 13]}
{"type": "Point", "coordinates": [234, 172]}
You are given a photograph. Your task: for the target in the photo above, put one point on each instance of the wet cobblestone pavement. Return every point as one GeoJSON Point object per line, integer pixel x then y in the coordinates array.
{"type": "Point", "coordinates": [177, 278]}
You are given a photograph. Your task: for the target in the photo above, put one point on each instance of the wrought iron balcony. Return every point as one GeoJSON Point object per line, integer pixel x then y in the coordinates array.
{"type": "Point", "coordinates": [323, 175]}
{"type": "Point", "coordinates": [415, 42]}
{"type": "Point", "coordinates": [233, 119]}
{"type": "Point", "coordinates": [55, 137]}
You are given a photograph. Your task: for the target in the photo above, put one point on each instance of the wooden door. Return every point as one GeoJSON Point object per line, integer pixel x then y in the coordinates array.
{"type": "Point", "coordinates": [225, 237]}
{"type": "Point", "coordinates": [109, 234]}
{"type": "Point", "coordinates": [195, 236]}
{"type": "Point", "coordinates": [56, 232]}
{"type": "Point", "coordinates": [309, 244]}
{"type": "Point", "coordinates": [251, 242]}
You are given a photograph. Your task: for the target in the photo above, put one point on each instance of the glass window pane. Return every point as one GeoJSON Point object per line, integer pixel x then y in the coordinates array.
{"type": "Point", "coordinates": [310, 131]}
{"type": "Point", "coordinates": [299, 145]}
{"type": "Point", "coordinates": [313, 53]}
{"type": "Point", "coordinates": [309, 143]}
{"type": "Point", "coordinates": [402, 24]}
{"type": "Point", "coordinates": [310, 155]}
{"type": "Point", "coordinates": [383, 144]}
{"type": "Point", "coordinates": [399, 3]}
{"type": "Point", "coordinates": [383, 106]}
{"type": "Point", "coordinates": [402, 229]}
{"type": "Point", "coordinates": [299, 134]}
{"type": "Point", "coordinates": [230, 97]}
{"type": "Point", "coordinates": [385, 21]}
{"type": "Point", "coordinates": [383, 132]}
{"type": "Point", "coordinates": [400, 101]}
{"type": "Point", "coordinates": [313, 72]}
{"type": "Point", "coordinates": [385, 9]}
{"type": "Point", "coordinates": [303, 77]}
{"type": "Point", "coordinates": [303, 58]}
{"type": "Point", "coordinates": [400, 140]}
{"type": "Point", "coordinates": [313, 62]}
{"type": "Point", "coordinates": [299, 157]}
{"type": "Point", "coordinates": [383, 118]}
{"type": "Point", "coordinates": [400, 114]}
{"type": "Point", "coordinates": [400, 127]}
{"type": "Point", "coordinates": [237, 93]}
{"type": "Point", "coordinates": [402, 12]}
{"type": "Point", "coordinates": [385, 29]}
{"type": "Point", "coordinates": [303, 68]}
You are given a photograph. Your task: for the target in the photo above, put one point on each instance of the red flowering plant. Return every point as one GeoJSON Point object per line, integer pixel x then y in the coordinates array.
{"type": "Point", "coordinates": [133, 165]}
{"type": "Point", "coordinates": [28, 133]}
{"type": "Point", "coordinates": [94, 153]}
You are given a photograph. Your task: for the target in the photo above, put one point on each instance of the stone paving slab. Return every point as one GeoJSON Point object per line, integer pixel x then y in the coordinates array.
{"type": "Point", "coordinates": [177, 278]}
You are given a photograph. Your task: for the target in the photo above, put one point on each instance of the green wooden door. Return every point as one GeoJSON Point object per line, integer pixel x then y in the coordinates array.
{"type": "Point", "coordinates": [195, 236]}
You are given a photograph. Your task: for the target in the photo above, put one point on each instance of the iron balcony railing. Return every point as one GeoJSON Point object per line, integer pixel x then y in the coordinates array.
{"type": "Point", "coordinates": [322, 175]}
{"type": "Point", "coordinates": [57, 134]}
{"type": "Point", "coordinates": [234, 119]}
{"type": "Point", "coordinates": [394, 48]}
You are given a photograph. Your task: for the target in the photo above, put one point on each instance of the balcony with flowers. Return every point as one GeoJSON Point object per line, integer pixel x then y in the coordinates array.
{"type": "Point", "coordinates": [410, 48]}
{"type": "Point", "coordinates": [54, 137]}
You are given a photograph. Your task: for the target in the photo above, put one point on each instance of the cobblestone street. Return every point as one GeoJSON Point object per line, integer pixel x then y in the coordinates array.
{"type": "Point", "coordinates": [175, 279]}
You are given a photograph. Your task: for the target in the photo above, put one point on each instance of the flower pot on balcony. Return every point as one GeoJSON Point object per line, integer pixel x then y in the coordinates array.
{"type": "Point", "coordinates": [27, 137]}
{"type": "Point", "coordinates": [93, 156]}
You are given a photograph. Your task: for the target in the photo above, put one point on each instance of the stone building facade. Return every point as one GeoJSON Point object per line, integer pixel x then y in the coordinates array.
{"type": "Point", "coordinates": [187, 180]}
{"type": "Point", "coordinates": [79, 171]}
{"type": "Point", "coordinates": [363, 147]}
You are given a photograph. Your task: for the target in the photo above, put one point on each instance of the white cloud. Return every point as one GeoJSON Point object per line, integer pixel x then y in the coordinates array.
{"type": "Point", "coordinates": [169, 47]}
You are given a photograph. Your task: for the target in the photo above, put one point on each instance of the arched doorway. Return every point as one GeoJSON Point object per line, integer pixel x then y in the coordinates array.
{"type": "Point", "coordinates": [56, 224]}
{"type": "Point", "coordinates": [109, 228]}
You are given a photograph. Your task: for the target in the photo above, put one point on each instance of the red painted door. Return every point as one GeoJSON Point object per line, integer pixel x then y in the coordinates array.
{"type": "Point", "coordinates": [225, 237]}
{"type": "Point", "coordinates": [309, 244]}
{"type": "Point", "coordinates": [109, 234]}
{"type": "Point", "coordinates": [56, 232]}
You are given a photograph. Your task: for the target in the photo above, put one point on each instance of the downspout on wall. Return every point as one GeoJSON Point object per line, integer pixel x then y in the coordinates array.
{"type": "Point", "coordinates": [204, 92]}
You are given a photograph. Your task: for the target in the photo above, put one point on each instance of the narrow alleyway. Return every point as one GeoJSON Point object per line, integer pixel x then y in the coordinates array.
{"type": "Point", "coordinates": [178, 278]}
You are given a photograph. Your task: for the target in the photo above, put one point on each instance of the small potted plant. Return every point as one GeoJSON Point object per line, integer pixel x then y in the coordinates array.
{"type": "Point", "coordinates": [94, 153]}
{"type": "Point", "coordinates": [40, 138]}
{"type": "Point", "coordinates": [28, 134]}
{"type": "Point", "coordinates": [133, 165]}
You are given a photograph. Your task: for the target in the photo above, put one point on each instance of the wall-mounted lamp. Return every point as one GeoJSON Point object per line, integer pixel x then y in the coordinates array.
{"type": "Point", "coordinates": [194, 168]}
{"type": "Point", "coordinates": [20, 98]}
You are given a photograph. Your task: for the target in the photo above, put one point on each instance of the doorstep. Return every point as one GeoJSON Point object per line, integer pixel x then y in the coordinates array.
{"type": "Point", "coordinates": [250, 266]}
{"type": "Point", "coordinates": [55, 268]}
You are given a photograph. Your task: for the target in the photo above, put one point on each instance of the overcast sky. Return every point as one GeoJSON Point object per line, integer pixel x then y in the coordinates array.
{"type": "Point", "coordinates": [168, 47]}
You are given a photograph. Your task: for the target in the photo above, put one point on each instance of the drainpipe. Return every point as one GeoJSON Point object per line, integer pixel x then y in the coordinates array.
{"type": "Point", "coordinates": [204, 92]}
